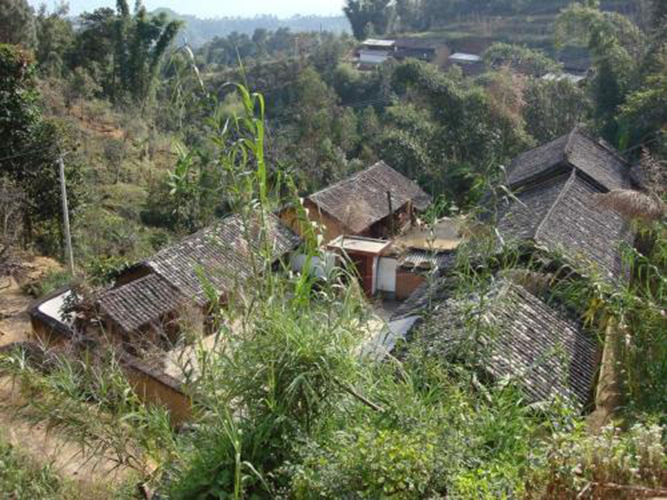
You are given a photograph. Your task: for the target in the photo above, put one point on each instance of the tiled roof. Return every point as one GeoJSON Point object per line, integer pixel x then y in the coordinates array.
{"type": "Point", "coordinates": [576, 150]}
{"type": "Point", "coordinates": [424, 259]}
{"type": "Point", "coordinates": [140, 302]}
{"type": "Point", "coordinates": [520, 337]}
{"type": "Point", "coordinates": [561, 214]}
{"type": "Point", "coordinates": [220, 254]}
{"type": "Point", "coordinates": [360, 201]}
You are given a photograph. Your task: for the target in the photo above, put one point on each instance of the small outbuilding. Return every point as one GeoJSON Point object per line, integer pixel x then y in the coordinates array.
{"type": "Point", "coordinates": [374, 51]}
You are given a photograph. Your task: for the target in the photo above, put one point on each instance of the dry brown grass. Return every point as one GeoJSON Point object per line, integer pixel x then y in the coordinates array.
{"type": "Point", "coordinates": [633, 204]}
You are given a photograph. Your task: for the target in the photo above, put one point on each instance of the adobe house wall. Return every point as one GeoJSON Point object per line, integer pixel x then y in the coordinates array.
{"type": "Point", "coordinates": [330, 226]}
{"type": "Point", "coordinates": [407, 282]}
{"type": "Point", "coordinates": [46, 329]}
{"type": "Point", "coordinates": [155, 388]}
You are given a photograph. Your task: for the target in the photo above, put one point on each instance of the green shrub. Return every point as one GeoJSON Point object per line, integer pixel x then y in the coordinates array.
{"type": "Point", "coordinates": [573, 461]}
{"type": "Point", "coordinates": [371, 463]}
{"type": "Point", "coordinates": [51, 281]}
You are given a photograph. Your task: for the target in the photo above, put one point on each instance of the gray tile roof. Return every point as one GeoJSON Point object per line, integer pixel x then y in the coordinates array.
{"type": "Point", "coordinates": [220, 254]}
{"type": "Point", "coordinates": [520, 337]}
{"type": "Point", "coordinates": [360, 201]}
{"type": "Point", "coordinates": [577, 150]}
{"type": "Point", "coordinates": [141, 302]}
{"type": "Point", "coordinates": [561, 214]}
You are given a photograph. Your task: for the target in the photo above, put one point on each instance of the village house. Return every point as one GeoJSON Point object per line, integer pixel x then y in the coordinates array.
{"type": "Point", "coordinates": [148, 302]}
{"type": "Point", "coordinates": [470, 64]}
{"type": "Point", "coordinates": [374, 51]}
{"type": "Point", "coordinates": [148, 298]}
{"type": "Point", "coordinates": [433, 51]}
{"type": "Point", "coordinates": [375, 202]}
{"type": "Point", "coordinates": [556, 188]}
{"type": "Point", "coordinates": [370, 219]}
{"type": "Point", "coordinates": [519, 337]}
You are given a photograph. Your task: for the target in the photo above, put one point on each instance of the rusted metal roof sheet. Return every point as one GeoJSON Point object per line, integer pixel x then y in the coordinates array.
{"type": "Point", "coordinates": [424, 259]}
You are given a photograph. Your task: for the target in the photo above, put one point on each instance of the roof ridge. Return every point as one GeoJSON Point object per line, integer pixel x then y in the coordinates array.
{"type": "Point", "coordinates": [566, 187]}
{"type": "Point", "coordinates": [348, 179]}
{"type": "Point", "coordinates": [192, 236]}
{"type": "Point", "coordinates": [601, 143]}
{"type": "Point", "coordinates": [568, 144]}
{"type": "Point", "coordinates": [523, 153]}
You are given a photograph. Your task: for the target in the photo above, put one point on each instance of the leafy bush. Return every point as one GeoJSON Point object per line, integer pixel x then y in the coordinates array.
{"type": "Point", "coordinates": [371, 463]}
{"type": "Point", "coordinates": [51, 281]}
{"type": "Point", "coordinates": [575, 461]}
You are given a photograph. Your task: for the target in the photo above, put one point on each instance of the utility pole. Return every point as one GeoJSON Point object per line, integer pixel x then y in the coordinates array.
{"type": "Point", "coordinates": [68, 236]}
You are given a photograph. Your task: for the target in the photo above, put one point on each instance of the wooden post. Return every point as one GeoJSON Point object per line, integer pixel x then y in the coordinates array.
{"type": "Point", "coordinates": [68, 236]}
{"type": "Point", "coordinates": [391, 213]}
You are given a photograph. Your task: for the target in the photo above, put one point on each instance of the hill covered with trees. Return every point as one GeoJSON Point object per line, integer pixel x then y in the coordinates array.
{"type": "Point", "coordinates": [161, 138]}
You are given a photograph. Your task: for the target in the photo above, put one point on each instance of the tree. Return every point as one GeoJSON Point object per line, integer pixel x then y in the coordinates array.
{"type": "Point", "coordinates": [617, 47]}
{"type": "Point", "coordinates": [260, 38]}
{"type": "Point", "coordinates": [552, 108]}
{"type": "Point", "coordinates": [17, 23]}
{"type": "Point", "coordinates": [55, 36]}
{"type": "Point", "coordinates": [363, 15]}
{"type": "Point", "coordinates": [12, 202]}
{"type": "Point", "coordinates": [141, 42]}
{"type": "Point", "coordinates": [474, 126]}
{"type": "Point", "coordinates": [31, 144]}
{"type": "Point", "coordinates": [519, 58]}
{"type": "Point", "coordinates": [93, 47]}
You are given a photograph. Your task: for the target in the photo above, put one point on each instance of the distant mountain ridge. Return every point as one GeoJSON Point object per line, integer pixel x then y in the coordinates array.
{"type": "Point", "coordinates": [198, 31]}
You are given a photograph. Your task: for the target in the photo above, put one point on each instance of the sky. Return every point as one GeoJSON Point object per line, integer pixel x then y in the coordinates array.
{"type": "Point", "coordinates": [219, 8]}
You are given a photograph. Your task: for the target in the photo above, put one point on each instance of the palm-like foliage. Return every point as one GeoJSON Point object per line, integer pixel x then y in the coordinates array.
{"type": "Point", "coordinates": [141, 43]}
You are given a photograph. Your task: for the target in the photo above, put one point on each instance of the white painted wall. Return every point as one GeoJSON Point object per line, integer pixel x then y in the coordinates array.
{"type": "Point", "coordinates": [373, 56]}
{"type": "Point", "coordinates": [54, 306]}
{"type": "Point", "coordinates": [322, 267]}
{"type": "Point", "coordinates": [386, 274]}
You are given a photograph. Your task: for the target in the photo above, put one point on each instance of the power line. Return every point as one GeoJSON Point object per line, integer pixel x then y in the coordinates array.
{"type": "Point", "coordinates": [26, 153]}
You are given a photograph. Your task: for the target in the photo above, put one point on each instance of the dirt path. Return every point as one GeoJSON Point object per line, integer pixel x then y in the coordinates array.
{"type": "Point", "coordinates": [14, 320]}
{"type": "Point", "coordinates": [93, 475]}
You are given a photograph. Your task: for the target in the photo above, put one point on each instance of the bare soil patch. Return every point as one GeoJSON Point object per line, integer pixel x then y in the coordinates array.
{"type": "Point", "coordinates": [93, 474]}
{"type": "Point", "coordinates": [14, 320]}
